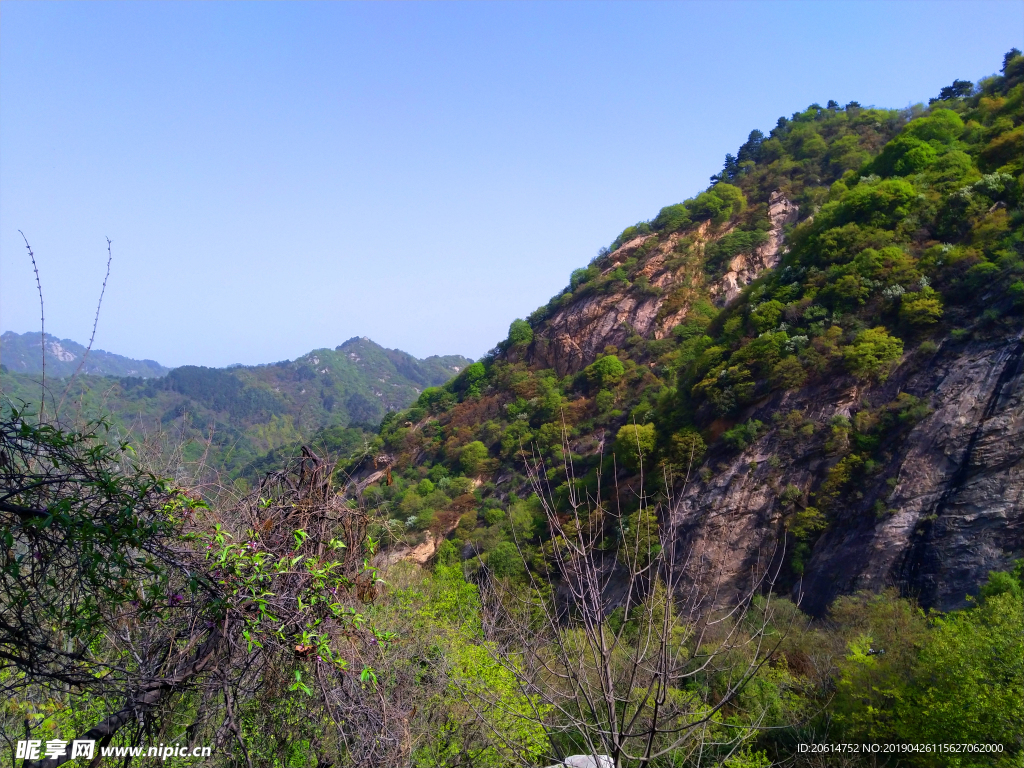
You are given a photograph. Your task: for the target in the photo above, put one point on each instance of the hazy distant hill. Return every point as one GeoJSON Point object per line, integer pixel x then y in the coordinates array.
{"type": "Point", "coordinates": [232, 416]}
{"type": "Point", "coordinates": [21, 353]}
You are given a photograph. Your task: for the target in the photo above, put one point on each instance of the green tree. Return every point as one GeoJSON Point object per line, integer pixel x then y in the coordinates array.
{"type": "Point", "coordinates": [873, 354]}
{"type": "Point", "coordinates": [969, 682]}
{"type": "Point", "coordinates": [520, 331]}
{"type": "Point", "coordinates": [472, 457]}
{"type": "Point", "coordinates": [922, 308]}
{"type": "Point", "coordinates": [604, 373]}
{"type": "Point", "coordinates": [634, 443]}
{"type": "Point", "coordinates": [505, 561]}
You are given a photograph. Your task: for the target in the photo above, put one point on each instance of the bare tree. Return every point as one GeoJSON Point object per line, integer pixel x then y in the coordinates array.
{"type": "Point", "coordinates": [120, 591]}
{"type": "Point", "coordinates": [636, 653]}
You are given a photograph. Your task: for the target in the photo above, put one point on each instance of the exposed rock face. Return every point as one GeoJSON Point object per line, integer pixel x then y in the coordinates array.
{"type": "Point", "coordinates": [575, 334]}
{"type": "Point", "coordinates": [952, 492]}
{"type": "Point", "coordinates": [744, 268]}
{"type": "Point", "coordinates": [946, 507]}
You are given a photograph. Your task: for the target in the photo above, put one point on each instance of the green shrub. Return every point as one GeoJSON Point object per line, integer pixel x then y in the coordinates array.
{"type": "Point", "coordinates": [582, 276]}
{"type": "Point", "coordinates": [604, 373]}
{"type": "Point", "coordinates": [505, 561]}
{"type": "Point", "coordinates": [435, 400]}
{"type": "Point", "coordinates": [687, 449]}
{"type": "Point", "coordinates": [742, 435]}
{"type": "Point", "coordinates": [519, 332]}
{"type": "Point", "coordinates": [472, 457]}
{"type": "Point", "coordinates": [718, 203]}
{"type": "Point", "coordinates": [788, 373]}
{"type": "Point", "coordinates": [873, 354]}
{"type": "Point", "coordinates": [922, 308]}
{"type": "Point", "coordinates": [634, 443]}
{"type": "Point", "coordinates": [671, 218]}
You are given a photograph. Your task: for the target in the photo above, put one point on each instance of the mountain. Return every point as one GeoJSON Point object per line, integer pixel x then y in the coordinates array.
{"type": "Point", "coordinates": [230, 417]}
{"type": "Point", "coordinates": [22, 353]}
{"type": "Point", "coordinates": [827, 341]}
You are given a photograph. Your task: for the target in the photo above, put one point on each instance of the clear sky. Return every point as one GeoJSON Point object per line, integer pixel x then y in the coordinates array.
{"type": "Point", "coordinates": [278, 177]}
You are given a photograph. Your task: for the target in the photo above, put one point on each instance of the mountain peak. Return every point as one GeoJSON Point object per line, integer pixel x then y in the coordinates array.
{"type": "Point", "coordinates": [21, 353]}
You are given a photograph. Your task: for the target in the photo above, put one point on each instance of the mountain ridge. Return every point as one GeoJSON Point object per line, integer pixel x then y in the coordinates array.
{"type": "Point", "coordinates": [228, 418]}
{"type": "Point", "coordinates": [826, 342]}
{"type": "Point", "coordinates": [22, 353]}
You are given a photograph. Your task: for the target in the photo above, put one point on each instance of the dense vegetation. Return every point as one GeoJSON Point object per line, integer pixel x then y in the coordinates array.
{"type": "Point", "coordinates": [518, 488]}
{"type": "Point", "coordinates": [915, 241]}
{"type": "Point", "coordinates": [240, 421]}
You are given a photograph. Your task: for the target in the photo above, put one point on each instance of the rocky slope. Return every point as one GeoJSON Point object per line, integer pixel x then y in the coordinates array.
{"type": "Point", "coordinates": [944, 510]}
{"type": "Point", "coordinates": [658, 299]}
{"type": "Point", "coordinates": [831, 331]}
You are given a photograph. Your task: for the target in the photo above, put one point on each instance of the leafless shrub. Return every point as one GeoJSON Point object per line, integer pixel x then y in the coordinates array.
{"type": "Point", "coordinates": [634, 654]}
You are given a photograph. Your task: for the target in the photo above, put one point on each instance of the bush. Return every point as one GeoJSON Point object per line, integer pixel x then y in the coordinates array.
{"type": "Point", "coordinates": [742, 435]}
{"type": "Point", "coordinates": [718, 203]}
{"type": "Point", "coordinates": [505, 562]}
{"type": "Point", "coordinates": [882, 205]}
{"type": "Point", "coordinates": [921, 309]}
{"type": "Point", "coordinates": [671, 218]}
{"type": "Point", "coordinates": [687, 449]}
{"type": "Point", "coordinates": [436, 400]}
{"type": "Point", "coordinates": [581, 276]}
{"type": "Point", "coordinates": [873, 354]}
{"type": "Point", "coordinates": [472, 457]}
{"type": "Point", "coordinates": [520, 331]}
{"type": "Point", "coordinates": [788, 373]}
{"type": "Point", "coordinates": [471, 378]}
{"type": "Point", "coordinates": [604, 372]}
{"type": "Point", "coordinates": [635, 443]}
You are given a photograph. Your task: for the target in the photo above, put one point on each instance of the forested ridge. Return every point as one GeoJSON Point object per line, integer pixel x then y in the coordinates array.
{"type": "Point", "coordinates": [234, 422]}
{"type": "Point", "coordinates": [751, 481]}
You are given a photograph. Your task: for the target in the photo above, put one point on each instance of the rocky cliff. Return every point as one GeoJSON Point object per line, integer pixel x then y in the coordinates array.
{"type": "Point", "coordinates": [945, 509]}
{"type": "Point", "coordinates": [663, 283]}
{"type": "Point", "coordinates": [827, 341]}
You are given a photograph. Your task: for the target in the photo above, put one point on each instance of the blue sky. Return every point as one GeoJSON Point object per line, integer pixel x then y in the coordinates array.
{"type": "Point", "coordinates": [278, 177]}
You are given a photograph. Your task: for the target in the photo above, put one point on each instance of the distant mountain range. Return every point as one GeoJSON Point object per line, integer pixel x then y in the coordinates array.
{"type": "Point", "coordinates": [22, 353]}
{"type": "Point", "coordinates": [231, 416]}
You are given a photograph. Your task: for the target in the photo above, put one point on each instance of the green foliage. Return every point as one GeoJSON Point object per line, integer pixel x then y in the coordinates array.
{"type": "Point", "coordinates": [742, 435]}
{"type": "Point", "coordinates": [881, 204]}
{"type": "Point", "coordinates": [719, 203]}
{"type": "Point", "coordinates": [718, 253]}
{"type": "Point", "coordinates": [671, 218]}
{"type": "Point", "coordinates": [520, 331]}
{"type": "Point", "coordinates": [953, 678]}
{"type": "Point", "coordinates": [470, 381]}
{"type": "Point", "coordinates": [968, 682]}
{"type": "Point", "coordinates": [922, 308]}
{"type": "Point", "coordinates": [505, 561]}
{"type": "Point", "coordinates": [492, 693]}
{"type": "Point", "coordinates": [472, 457]}
{"type": "Point", "coordinates": [635, 443]}
{"type": "Point", "coordinates": [788, 373]}
{"type": "Point", "coordinates": [436, 399]}
{"type": "Point", "coordinates": [873, 354]}
{"type": "Point", "coordinates": [604, 372]}
{"type": "Point", "coordinates": [687, 449]}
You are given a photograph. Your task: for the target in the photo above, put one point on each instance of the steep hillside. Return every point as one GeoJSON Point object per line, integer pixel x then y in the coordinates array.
{"type": "Point", "coordinates": [231, 417]}
{"type": "Point", "coordinates": [22, 353]}
{"type": "Point", "coordinates": [827, 341]}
